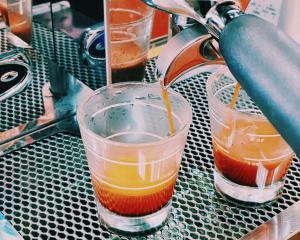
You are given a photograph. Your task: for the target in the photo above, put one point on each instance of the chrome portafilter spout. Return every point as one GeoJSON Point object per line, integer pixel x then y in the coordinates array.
{"type": "Point", "coordinates": [199, 10]}
{"type": "Point", "coordinates": [196, 45]}
{"type": "Point", "coordinates": [263, 59]}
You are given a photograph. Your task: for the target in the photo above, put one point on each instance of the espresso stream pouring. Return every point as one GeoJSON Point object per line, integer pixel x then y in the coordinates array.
{"type": "Point", "coordinates": [263, 59]}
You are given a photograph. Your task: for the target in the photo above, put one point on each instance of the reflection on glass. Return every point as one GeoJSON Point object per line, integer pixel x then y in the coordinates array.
{"type": "Point", "coordinates": [130, 30]}
{"type": "Point", "coordinates": [20, 22]}
{"type": "Point", "coordinates": [3, 11]}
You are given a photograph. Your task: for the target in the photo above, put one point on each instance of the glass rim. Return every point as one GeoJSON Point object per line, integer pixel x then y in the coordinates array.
{"type": "Point", "coordinates": [84, 127]}
{"type": "Point", "coordinates": [223, 70]}
{"type": "Point", "coordinates": [133, 23]}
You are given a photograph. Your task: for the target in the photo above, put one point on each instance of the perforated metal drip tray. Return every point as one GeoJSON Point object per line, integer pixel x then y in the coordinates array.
{"type": "Point", "coordinates": [46, 193]}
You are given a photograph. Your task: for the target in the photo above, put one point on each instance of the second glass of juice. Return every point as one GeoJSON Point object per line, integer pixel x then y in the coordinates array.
{"type": "Point", "coordinates": [133, 160]}
{"type": "Point", "coordinates": [3, 11]}
{"type": "Point", "coordinates": [20, 22]}
{"type": "Point", "coordinates": [251, 158]}
{"type": "Point", "coordinates": [130, 33]}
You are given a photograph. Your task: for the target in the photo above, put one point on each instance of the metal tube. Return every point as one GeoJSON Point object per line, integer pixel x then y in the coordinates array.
{"type": "Point", "coordinates": [107, 41]}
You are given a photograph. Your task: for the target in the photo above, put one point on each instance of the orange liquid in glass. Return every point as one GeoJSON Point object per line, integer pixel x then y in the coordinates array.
{"type": "Point", "coordinates": [244, 3]}
{"type": "Point", "coordinates": [130, 194]}
{"type": "Point", "coordinates": [21, 26]}
{"type": "Point", "coordinates": [169, 110]}
{"type": "Point", "coordinates": [246, 161]}
{"type": "Point", "coordinates": [3, 13]}
{"type": "Point", "coordinates": [235, 96]}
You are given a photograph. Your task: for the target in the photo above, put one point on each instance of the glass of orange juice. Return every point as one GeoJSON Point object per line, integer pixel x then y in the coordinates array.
{"type": "Point", "coordinates": [3, 11]}
{"type": "Point", "coordinates": [244, 3]}
{"type": "Point", "coordinates": [130, 27]}
{"type": "Point", "coordinates": [133, 160]}
{"type": "Point", "coordinates": [251, 158]}
{"type": "Point", "coordinates": [20, 22]}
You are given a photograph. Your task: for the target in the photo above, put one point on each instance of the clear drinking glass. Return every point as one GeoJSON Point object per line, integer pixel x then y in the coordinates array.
{"type": "Point", "coordinates": [20, 22]}
{"type": "Point", "coordinates": [251, 158]}
{"type": "Point", "coordinates": [130, 27]}
{"type": "Point", "coordinates": [132, 159]}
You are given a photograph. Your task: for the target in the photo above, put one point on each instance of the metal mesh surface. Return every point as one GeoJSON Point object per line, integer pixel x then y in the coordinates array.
{"type": "Point", "coordinates": [68, 56]}
{"type": "Point", "coordinates": [28, 105]}
{"type": "Point", "coordinates": [45, 189]}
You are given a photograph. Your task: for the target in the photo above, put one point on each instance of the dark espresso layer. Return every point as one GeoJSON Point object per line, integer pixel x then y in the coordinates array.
{"type": "Point", "coordinates": [128, 62]}
{"type": "Point", "coordinates": [127, 74]}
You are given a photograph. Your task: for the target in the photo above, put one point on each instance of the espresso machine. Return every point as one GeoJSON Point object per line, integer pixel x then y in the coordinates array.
{"type": "Point", "coordinates": [262, 57]}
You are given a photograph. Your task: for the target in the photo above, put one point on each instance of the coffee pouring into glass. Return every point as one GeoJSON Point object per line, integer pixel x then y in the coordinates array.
{"type": "Point", "coordinates": [263, 58]}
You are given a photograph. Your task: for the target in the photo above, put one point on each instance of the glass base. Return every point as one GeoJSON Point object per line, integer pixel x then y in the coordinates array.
{"type": "Point", "coordinates": [132, 225]}
{"type": "Point", "coordinates": [244, 195]}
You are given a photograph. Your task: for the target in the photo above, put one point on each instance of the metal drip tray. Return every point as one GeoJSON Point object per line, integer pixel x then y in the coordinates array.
{"type": "Point", "coordinates": [284, 226]}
